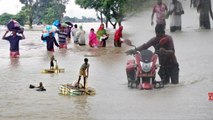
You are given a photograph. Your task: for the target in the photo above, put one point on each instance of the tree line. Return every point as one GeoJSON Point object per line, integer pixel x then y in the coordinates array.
{"type": "Point", "coordinates": [22, 19]}
{"type": "Point", "coordinates": [46, 11]}
{"type": "Point", "coordinates": [75, 19]}
{"type": "Point", "coordinates": [41, 11]}
{"type": "Point", "coordinates": [112, 10]}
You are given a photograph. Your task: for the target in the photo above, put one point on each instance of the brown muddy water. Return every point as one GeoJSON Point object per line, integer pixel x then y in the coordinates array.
{"type": "Point", "coordinates": [114, 100]}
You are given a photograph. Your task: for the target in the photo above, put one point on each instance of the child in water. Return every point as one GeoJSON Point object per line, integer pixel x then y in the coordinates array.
{"type": "Point", "coordinates": [84, 71]}
{"type": "Point", "coordinates": [40, 87]}
{"type": "Point", "coordinates": [13, 39]}
{"type": "Point", "coordinates": [52, 62]}
{"type": "Point", "coordinates": [50, 40]}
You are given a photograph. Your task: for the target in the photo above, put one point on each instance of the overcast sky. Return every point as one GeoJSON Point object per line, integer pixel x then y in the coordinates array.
{"type": "Point", "coordinates": [14, 6]}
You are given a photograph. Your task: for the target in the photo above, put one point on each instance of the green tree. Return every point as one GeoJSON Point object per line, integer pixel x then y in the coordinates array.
{"type": "Point", "coordinates": [21, 17]}
{"type": "Point", "coordinates": [112, 9]}
{"type": "Point", "coordinates": [92, 4]}
{"type": "Point", "coordinates": [44, 10]}
{"type": "Point", "coordinates": [109, 8]}
{"type": "Point", "coordinates": [5, 18]}
{"type": "Point", "coordinates": [30, 6]}
{"type": "Point", "coordinates": [53, 13]}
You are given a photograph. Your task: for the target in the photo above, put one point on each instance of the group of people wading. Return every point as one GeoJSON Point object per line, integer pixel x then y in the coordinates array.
{"type": "Point", "coordinates": [175, 11]}
{"type": "Point", "coordinates": [162, 43]}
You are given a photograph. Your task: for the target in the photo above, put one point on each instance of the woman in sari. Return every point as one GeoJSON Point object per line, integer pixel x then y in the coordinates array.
{"type": "Point", "coordinates": [102, 35]}
{"type": "Point", "coordinates": [118, 37]}
{"type": "Point", "coordinates": [93, 41]}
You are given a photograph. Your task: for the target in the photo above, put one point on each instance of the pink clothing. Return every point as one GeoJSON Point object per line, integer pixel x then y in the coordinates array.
{"type": "Point", "coordinates": [160, 11]}
{"type": "Point", "coordinates": [14, 54]}
{"type": "Point", "coordinates": [93, 40]}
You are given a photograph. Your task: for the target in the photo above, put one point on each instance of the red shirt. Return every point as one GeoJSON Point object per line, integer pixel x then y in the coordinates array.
{"type": "Point", "coordinates": [118, 35]}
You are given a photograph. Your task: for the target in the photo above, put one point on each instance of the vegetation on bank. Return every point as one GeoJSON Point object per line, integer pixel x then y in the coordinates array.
{"type": "Point", "coordinates": [46, 11]}
{"type": "Point", "coordinates": [22, 19]}
{"type": "Point", "coordinates": [115, 10]}
{"type": "Point", "coordinates": [77, 20]}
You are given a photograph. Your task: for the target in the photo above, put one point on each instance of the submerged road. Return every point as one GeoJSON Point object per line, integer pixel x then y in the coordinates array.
{"type": "Point", "coordinates": [114, 100]}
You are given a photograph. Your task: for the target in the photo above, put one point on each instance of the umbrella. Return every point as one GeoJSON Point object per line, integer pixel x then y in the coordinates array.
{"type": "Point", "coordinates": [69, 23]}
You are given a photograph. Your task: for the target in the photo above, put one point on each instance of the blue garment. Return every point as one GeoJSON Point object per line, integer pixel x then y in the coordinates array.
{"type": "Point", "coordinates": [14, 42]}
{"type": "Point", "coordinates": [56, 23]}
{"type": "Point", "coordinates": [50, 42]}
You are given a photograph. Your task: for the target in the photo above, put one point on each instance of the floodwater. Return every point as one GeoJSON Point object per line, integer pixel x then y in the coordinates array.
{"type": "Point", "coordinates": [114, 100]}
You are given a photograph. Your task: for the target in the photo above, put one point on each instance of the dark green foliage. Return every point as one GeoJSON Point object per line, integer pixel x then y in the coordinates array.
{"type": "Point", "coordinates": [5, 18]}
{"type": "Point", "coordinates": [112, 9]}
{"type": "Point", "coordinates": [21, 17]}
{"type": "Point", "coordinates": [45, 11]}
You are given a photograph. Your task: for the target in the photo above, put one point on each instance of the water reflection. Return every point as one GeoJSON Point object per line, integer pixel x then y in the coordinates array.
{"type": "Point", "coordinates": [14, 62]}
{"type": "Point", "coordinates": [93, 52]}
{"type": "Point", "coordinates": [82, 106]}
{"type": "Point", "coordinates": [63, 52]}
{"type": "Point", "coordinates": [50, 53]}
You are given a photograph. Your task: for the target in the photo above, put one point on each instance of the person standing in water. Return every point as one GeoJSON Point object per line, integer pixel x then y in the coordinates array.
{"type": "Point", "coordinates": [84, 71]}
{"type": "Point", "coordinates": [164, 47]}
{"type": "Point", "coordinates": [160, 9]}
{"type": "Point", "coordinates": [14, 42]}
{"type": "Point", "coordinates": [194, 3]}
{"type": "Point", "coordinates": [68, 30]}
{"type": "Point", "coordinates": [175, 11]}
{"type": "Point", "coordinates": [74, 31]}
{"type": "Point", "coordinates": [93, 40]}
{"type": "Point", "coordinates": [205, 8]}
{"type": "Point", "coordinates": [52, 59]}
{"type": "Point", "coordinates": [80, 36]}
{"type": "Point", "coordinates": [102, 35]}
{"type": "Point", "coordinates": [118, 37]}
{"type": "Point", "coordinates": [50, 40]}
{"type": "Point", "coordinates": [62, 37]}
